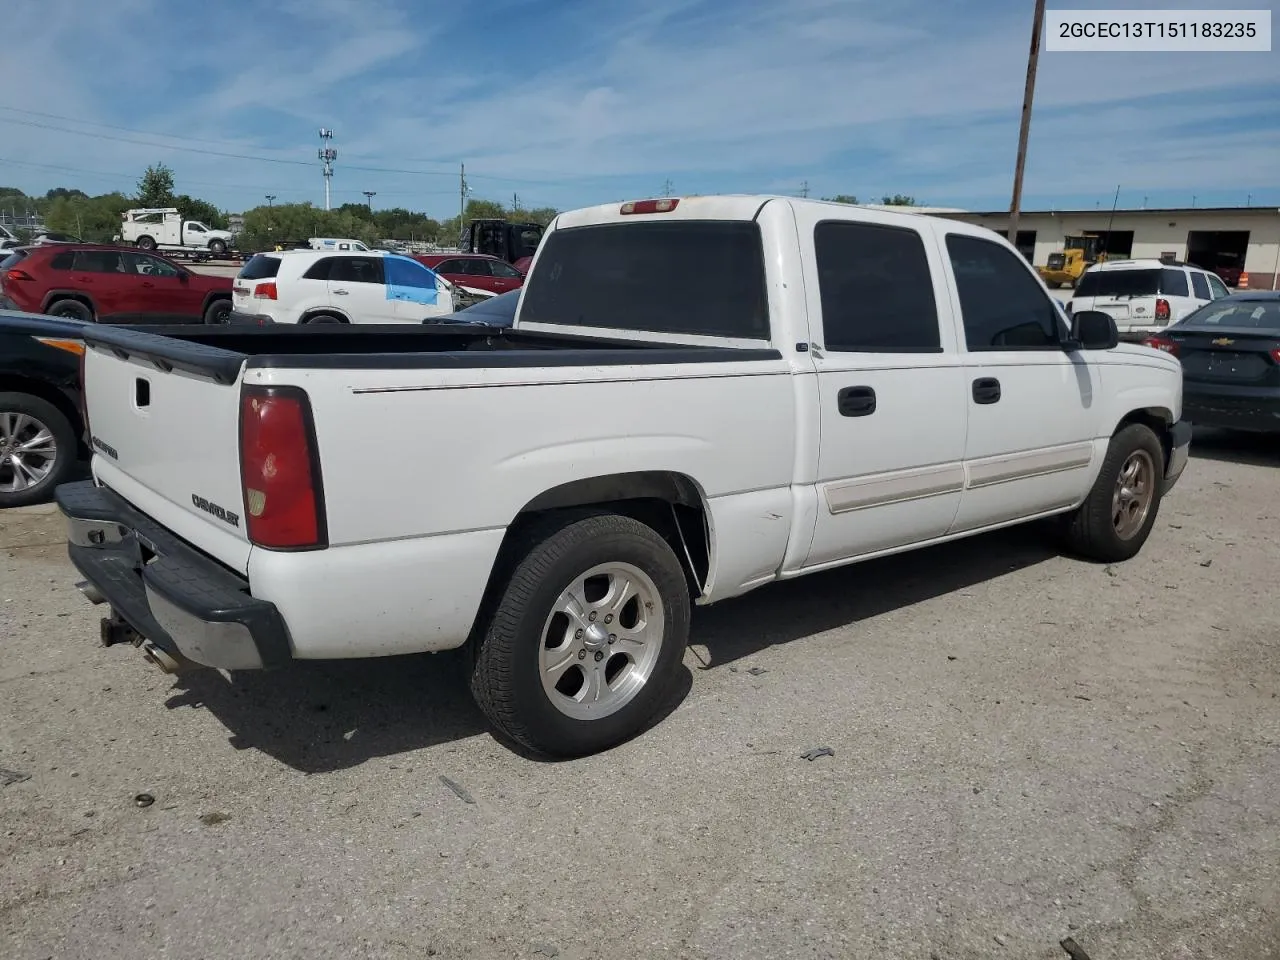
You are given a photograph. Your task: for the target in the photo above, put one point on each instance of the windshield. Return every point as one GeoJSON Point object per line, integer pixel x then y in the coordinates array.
{"type": "Point", "coordinates": [703, 278]}
{"type": "Point", "coordinates": [1258, 314]}
{"type": "Point", "coordinates": [1119, 283]}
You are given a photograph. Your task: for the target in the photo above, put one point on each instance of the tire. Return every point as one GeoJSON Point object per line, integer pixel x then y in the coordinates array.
{"type": "Point", "coordinates": [71, 309]}
{"type": "Point", "coordinates": [31, 416]}
{"type": "Point", "coordinates": [1099, 529]}
{"type": "Point", "coordinates": [324, 318]}
{"type": "Point", "coordinates": [217, 312]}
{"type": "Point", "coordinates": [217, 247]}
{"type": "Point", "coordinates": [146, 243]}
{"type": "Point", "coordinates": [513, 678]}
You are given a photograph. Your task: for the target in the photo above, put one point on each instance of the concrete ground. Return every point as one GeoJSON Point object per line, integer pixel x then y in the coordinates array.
{"type": "Point", "coordinates": [1026, 748]}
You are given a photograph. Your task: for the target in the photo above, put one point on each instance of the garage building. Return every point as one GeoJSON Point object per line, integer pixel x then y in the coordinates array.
{"type": "Point", "coordinates": [1227, 239]}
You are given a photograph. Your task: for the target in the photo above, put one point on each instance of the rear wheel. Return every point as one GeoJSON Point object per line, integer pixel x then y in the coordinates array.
{"type": "Point", "coordinates": [1116, 518]}
{"type": "Point", "coordinates": [37, 449]}
{"type": "Point", "coordinates": [586, 636]}
{"type": "Point", "coordinates": [146, 243]}
{"type": "Point", "coordinates": [71, 309]}
{"type": "Point", "coordinates": [217, 312]}
{"type": "Point", "coordinates": [324, 318]}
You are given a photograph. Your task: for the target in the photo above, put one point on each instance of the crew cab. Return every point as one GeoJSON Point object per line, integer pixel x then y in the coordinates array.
{"type": "Point", "coordinates": [698, 396]}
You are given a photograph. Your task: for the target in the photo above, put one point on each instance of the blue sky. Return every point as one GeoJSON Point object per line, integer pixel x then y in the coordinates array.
{"type": "Point", "coordinates": [573, 102]}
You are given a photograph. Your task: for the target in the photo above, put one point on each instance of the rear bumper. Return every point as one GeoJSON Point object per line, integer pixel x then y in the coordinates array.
{"type": "Point", "coordinates": [169, 592]}
{"type": "Point", "coordinates": [254, 319]}
{"type": "Point", "coordinates": [1234, 408]}
{"type": "Point", "coordinates": [1179, 453]}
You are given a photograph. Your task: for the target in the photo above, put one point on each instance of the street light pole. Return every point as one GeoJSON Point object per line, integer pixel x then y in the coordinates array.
{"type": "Point", "coordinates": [1033, 59]}
{"type": "Point", "coordinates": [368, 196]}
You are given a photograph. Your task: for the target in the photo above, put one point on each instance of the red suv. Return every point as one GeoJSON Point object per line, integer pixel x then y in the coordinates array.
{"type": "Point", "coordinates": [474, 270]}
{"type": "Point", "coordinates": [111, 285]}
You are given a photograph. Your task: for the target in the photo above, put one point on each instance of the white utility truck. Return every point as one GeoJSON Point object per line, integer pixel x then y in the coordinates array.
{"type": "Point", "coordinates": [162, 228]}
{"type": "Point", "coordinates": [698, 396]}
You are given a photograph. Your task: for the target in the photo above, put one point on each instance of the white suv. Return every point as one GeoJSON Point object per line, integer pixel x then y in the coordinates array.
{"type": "Point", "coordinates": [1145, 296]}
{"type": "Point", "coordinates": [314, 286]}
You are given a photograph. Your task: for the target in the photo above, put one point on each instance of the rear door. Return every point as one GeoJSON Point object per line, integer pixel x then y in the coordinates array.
{"type": "Point", "coordinates": [357, 286]}
{"type": "Point", "coordinates": [890, 387]}
{"type": "Point", "coordinates": [102, 275]}
{"type": "Point", "coordinates": [503, 277]}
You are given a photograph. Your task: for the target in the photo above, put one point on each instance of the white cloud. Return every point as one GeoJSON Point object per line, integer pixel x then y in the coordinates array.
{"type": "Point", "coordinates": [855, 96]}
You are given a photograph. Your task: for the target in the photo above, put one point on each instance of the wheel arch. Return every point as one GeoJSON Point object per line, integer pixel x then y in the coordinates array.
{"type": "Point", "coordinates": [53, 296]}
{"type": "Point", "coordinates": [308, 315]}
{"type": "Point", "coordinates": [1158, 419]}
{"type": "Point", "coordinates": [670, 502]}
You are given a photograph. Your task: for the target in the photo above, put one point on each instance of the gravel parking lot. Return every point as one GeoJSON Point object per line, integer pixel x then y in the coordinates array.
{"type": "Point", "coordinates": [1026, 748]}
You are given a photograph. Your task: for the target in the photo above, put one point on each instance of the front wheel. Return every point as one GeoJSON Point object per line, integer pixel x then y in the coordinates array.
{"type": "Point", "coordinates": [586, 637]}
{"type": "Point", "coordinates": [1116, 518]}
{"type": "Point", "coordinates": [217, 247]}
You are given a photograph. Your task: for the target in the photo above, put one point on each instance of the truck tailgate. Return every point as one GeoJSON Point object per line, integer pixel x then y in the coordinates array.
{"type": "Point", "coordinates": [167, 440]}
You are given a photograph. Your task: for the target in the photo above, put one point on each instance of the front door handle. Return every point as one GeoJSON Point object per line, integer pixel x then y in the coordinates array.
{"type": "Point", "coordinates": [856, 401]}
{"type": "Point", "coordinates": [340, 293]}
{"type": "Point", "coordinates": [986, 390]}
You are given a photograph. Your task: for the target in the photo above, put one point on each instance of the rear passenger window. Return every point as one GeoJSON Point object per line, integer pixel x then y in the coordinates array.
{"type": "Point", "coordinates": [319, 270]}
{"type": "Point", "coordinates": [1173, 282]}
{"type": "Point", "coordinates": [62, 261]}
{"type": "Point", "coordinates": [98, 261]}
{"type": "Point", "coordinates": [877, 292]}
{"type": "Point", "coordinates": [356, 270]}
{"type": "Point", "coordinates": [1201, 286]}
{"type": "Point", "coordinates": [1003, 306]}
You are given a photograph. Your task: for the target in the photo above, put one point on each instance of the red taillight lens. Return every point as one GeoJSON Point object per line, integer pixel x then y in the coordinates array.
{"type": "Point", "coordinates": [280, 469]}
{"type": "Point", "coordinates": [665, 205]}
{"type": "Point", "coordinates": [1162, 310]}
{"type": "Point", "coordinates": [1161, 343]}
{"type": "Point", "coordinates": [1275, 355]}
{"type": "Point", "coordinates": [265, 291]}
{"type": "Point", "coordinates": [12, 276]}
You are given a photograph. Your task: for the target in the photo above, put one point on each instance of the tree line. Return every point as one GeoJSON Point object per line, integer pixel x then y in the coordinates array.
{"type": "Point", "coordinates": [96, 219]}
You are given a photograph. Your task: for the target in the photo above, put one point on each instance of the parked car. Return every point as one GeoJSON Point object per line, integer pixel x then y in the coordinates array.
{"type": "Point", "coordinates": [43, 238]}
{"type": "Point", "coordinates": [314, 286]}
{"type": "Point", "coordinates": [1145, 296]}
{"type": "Point", "coordinates": [41, 427]}
{"type": "Point", "coordinates": [163, 228]}
{"type": "Point", "coordinates": [110, 285]}
{"type": "Point", "coordinates": [499, 311]}
{"type": "Point", "coordinates": [474, 272]}
{"type": "Point", "coordinates": [673, 417]}
{"type": "Point", "coordinates": [1230, 354]}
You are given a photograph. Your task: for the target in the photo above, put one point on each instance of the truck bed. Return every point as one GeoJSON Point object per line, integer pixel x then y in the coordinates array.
{"type": "Point", "coordinates": [220, 353]}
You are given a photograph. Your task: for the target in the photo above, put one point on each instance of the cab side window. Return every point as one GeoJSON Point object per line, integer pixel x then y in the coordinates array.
{"type": "Point", "coordinates": [876, 289]}
{"type": "Point", "coordinates": [1002, 305]}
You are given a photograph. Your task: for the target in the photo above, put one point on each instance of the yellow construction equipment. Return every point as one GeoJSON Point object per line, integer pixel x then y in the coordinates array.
{"type": "Point", "coordinates": [1077, 255]}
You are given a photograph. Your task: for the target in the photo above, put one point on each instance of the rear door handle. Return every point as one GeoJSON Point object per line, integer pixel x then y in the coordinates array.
{"type": "Point", "coordinates": [986, 390]}
{"type": "Point", "coordinates": [340, 293]}
{"type": "Point", "coordinates": [856, 401]}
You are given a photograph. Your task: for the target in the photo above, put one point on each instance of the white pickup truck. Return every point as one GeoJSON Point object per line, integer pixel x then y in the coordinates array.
{"type": "Point", "coordinates": [162, 228]}
{"type": "Point", "coordinates": [698, 396]}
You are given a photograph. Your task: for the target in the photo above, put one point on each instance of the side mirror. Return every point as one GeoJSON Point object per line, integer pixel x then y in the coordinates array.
{"type": "Point", "coordinates": [1093, 330]}
{"type": "Point", "coordinates": [184, 276]}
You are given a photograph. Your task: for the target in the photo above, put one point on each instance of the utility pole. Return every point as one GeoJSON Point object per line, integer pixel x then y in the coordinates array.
{"type": "Point", "coordinates": [327, 155]}
{"type": "Point", "coordinates": [368, 198]}
{"type": "Point", "coordinates": [1033, 59]}
{"type": "Point", "coordinates": [462, 194]}
{"type": "Point", "coordinates": [804, 188]}
{"type": "Point", "coordinates": [271, 218]}
{"type": "Point", "coordinates": [515, 202]}
{"type": "Point", "coordinates": [666, 188]}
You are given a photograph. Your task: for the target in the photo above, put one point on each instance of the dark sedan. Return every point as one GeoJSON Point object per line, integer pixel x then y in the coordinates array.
{"type": "Point", "coordinates": [1230, 353]}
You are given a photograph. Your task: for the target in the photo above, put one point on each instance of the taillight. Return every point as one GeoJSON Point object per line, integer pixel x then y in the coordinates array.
{"type": "Point", "coordinates": [280, 469]}
{"type": "Point", "coordinates": [1162, 310]}
{"type": "Point", "coordinates": [665, 205]}
{"type": "Point", "coordinates": [11, 276]}
{"type": "Point", "coordinates": [1275, 355]}
{"type": "Point", "coordinates": [265, 291]}
{"type": "Point", "coordinates": [1161, 343]}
